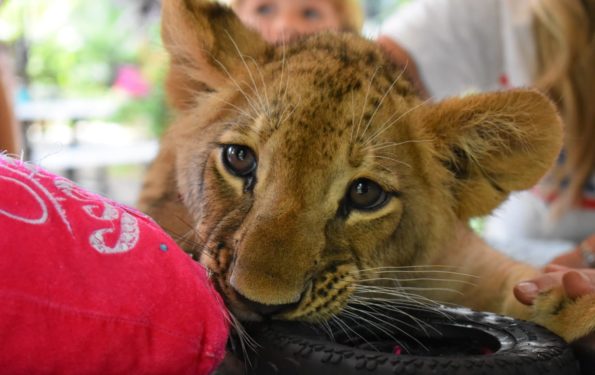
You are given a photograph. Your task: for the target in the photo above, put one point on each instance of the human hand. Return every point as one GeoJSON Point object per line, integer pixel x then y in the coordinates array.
{"type": "Point", "coordinates": [581, 256]}
{"type": "Point", "coordinates": [575, 283]}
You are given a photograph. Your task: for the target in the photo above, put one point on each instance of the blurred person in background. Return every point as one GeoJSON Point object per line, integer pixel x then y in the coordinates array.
{"type": "Point", "coordinates": [280, 21]}
{"type": "Point", "coordinates": [450, 47]}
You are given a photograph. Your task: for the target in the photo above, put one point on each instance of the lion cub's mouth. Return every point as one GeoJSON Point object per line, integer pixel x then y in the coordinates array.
{"type": "Point", "coordinates": [247, 310]}
{"type": "Point", "coordinates": [324, 296]}
{"type": "Point", "coordinates": [263, 311]}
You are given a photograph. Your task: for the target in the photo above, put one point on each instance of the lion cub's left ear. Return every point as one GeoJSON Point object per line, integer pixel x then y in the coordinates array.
{"type": "Point", "coordinates": [494, 144]}
{"type": "Point", "coordinates": [207, 45]}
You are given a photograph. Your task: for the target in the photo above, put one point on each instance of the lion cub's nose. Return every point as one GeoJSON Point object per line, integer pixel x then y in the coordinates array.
{"type": "Point", "coordinates": [264, 309]}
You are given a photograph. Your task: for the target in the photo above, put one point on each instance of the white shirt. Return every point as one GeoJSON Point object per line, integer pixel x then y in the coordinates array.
{"type": "Point", "coordinates": [460, 46]}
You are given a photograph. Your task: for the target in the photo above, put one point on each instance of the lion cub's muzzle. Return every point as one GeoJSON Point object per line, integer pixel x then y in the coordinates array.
{"type": "Point", "coordinates": [265, 293]}
{"type": "Point", "coordinates": [274, 261]}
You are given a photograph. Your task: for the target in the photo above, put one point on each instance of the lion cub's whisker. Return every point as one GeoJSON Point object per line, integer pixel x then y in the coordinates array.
{"type": "Point", "coordinates": [376, 321]}
{"type": "Point", "coordinates": [365, 102]}
{"type": "Point", "coordinates": [384, 145]}
{"type": "Point", "coordinates": [418, 270]}
{"type": "Point", "coordinates": [371, 322]}
{"type": "Point", "coordinates": [185, 239]}
{"type": "Point", "coordinates": [431, 266]}
{"type": "Point", "coordinates": [396, 296]}
{"type": "Point", "coordinates": [413, 268]}
{"type": "Point", "coordinates": [392, 304]}
{"type": "Point", "coordinates": [388, 270]}
{"type": "Point", "coordinates": [246, 341]}
{"type": "Point", "coordinates": [383, 325]}
{"type": "Point", "coordinates": [399, 280]}
{"type": "Point", "coordinates": [418, 288]}
{"type": "Point", "coordinates": [346, 328]}
{"type": "Point", "coordinates": [388, 124]}
{"type": "Point", "coordinates": [266, 96]}
{"type": "Point", "coordinates": [393, 296]}
{"type": "Point", "coordinates": [376, 310]}
{"type": "Point", "coordinates": [263, 106]}
{"type": "Point", "coordinates": [237, 85]}
{"type": "Point", "coordinates": [352, 118]}
{"type": "Point", "coordinates": [406, 309]}
{"type": "Point", "coordinates": [239, 110]}
{"type": "Point", "coordinates": [285, 115]}
{"type": "Point", "coordinates": [393, 159]}
{"type": "Point", "coordinates": [326, 327]}
{"type": "Point", "coordinates": [282, 75]}
{"type": "Point", "coordinates": [394, 82]}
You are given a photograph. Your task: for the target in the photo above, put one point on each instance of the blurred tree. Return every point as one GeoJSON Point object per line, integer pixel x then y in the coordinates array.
{"type": "Point", "coordinates": [75, 48]}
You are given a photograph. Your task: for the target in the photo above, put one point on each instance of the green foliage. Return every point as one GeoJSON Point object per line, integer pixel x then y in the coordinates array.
{"type": "Point", "coordinates": [76, 46]}
{"type": "Point", "coordinates": [477, 224]}
{"type": "Point", "coordinates": [73, 44]}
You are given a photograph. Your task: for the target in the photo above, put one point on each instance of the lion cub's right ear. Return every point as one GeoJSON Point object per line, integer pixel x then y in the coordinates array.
{"type": "Point", "coordinates": [494, 144]}
{"type": "Point", "coordinates": [207, 45]}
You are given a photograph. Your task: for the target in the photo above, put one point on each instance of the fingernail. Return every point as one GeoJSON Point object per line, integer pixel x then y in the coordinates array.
{"type": "Point", "coordinates": [528, 289]}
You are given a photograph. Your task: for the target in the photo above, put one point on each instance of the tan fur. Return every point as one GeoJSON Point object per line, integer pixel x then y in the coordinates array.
{"type": "Point", "coordinates": [320, 114]}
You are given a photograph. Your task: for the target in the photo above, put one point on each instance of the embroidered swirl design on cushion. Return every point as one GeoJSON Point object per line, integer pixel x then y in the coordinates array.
{"type": "Point", "coordinates": [37, 198]}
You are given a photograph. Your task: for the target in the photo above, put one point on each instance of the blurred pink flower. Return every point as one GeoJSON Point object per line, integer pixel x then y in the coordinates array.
{"type": "Point", "coordinates": [130, 80]}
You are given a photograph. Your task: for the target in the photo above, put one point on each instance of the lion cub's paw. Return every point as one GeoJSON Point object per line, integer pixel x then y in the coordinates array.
{"type": "Point", "coordinates": [570, 319]}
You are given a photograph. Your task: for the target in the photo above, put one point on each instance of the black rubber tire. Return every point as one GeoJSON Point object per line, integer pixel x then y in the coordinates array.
{"type": "Point", "coordinates": [517, 347]}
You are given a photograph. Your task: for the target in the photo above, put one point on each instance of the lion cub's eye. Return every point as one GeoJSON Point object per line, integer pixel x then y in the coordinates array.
{"type": "Point", "coordinates": [239, 160]}
{"type": "Point", "coordinates": [364, 194]}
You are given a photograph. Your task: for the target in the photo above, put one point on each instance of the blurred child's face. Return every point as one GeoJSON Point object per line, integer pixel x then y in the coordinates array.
{"type": "Point", "coordinates": [282, 20]}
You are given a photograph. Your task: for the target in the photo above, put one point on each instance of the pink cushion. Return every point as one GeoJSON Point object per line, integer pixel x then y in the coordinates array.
{"type": "Point", "coordinates": [89, 286]}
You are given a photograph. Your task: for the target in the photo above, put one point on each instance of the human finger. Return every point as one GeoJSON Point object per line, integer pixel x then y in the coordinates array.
{"type": "Point", "coordinates": [577, 284]}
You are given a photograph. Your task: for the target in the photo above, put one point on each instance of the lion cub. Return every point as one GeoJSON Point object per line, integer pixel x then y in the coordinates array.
{"type": "Point", "coordinates": [309, 177]}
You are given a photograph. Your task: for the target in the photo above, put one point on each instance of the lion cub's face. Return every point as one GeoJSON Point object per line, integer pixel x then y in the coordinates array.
{"type": "Point", "coordinates": [305, 168]}
{"type": "Point", "coordinates": [297, 188]}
